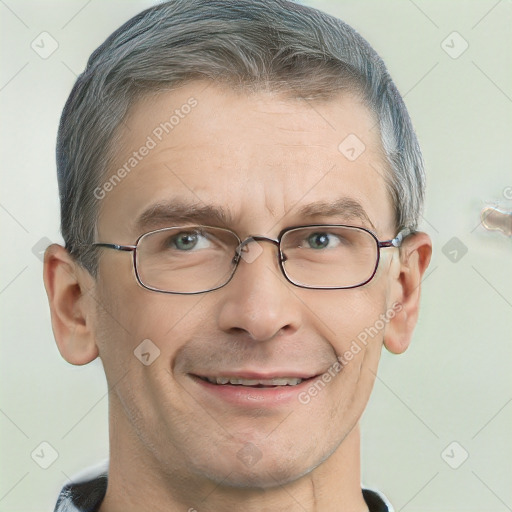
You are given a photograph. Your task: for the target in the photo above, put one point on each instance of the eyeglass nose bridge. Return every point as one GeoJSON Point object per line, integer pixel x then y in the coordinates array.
{"type": "Point", "coordinates": [256, 238]}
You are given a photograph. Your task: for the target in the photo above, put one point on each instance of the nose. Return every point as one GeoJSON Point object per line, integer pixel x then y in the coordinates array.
{"type": "Point", "coordinates": [258, 300]}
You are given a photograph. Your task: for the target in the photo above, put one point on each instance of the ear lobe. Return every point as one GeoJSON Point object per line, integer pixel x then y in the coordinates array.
{"type": "Point", "coordinates": [65, 283]}
{"type": "Point", "coordinates": [415, 255]}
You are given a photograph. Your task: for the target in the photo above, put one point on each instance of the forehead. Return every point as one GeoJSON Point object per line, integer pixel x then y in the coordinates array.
{"type": "Point", "coordinates": [260, 159]}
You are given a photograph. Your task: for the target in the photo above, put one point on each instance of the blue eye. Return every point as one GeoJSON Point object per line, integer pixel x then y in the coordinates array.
{"type": "Point", "coordinates": [187, 241]}
{"type": "Point", "coordinates": [322, 240]}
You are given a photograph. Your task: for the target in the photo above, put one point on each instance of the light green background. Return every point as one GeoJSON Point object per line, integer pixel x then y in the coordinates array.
{"type": "Point", "coordinates": [454, 382]}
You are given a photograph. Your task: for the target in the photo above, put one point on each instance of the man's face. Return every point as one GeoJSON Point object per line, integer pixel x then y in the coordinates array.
{"type": "Point", "coordinates": [262, 158]}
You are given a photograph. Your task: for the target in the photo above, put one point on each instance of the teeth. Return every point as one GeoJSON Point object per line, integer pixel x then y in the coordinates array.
{"type": "Point", "coordinates": [281, 381]}
{"type": "Point", "coordinates": [286, 382]}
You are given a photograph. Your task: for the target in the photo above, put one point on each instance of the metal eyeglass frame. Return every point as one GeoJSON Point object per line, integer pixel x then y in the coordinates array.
{"type": "Point", "coordinates": [381, 244]}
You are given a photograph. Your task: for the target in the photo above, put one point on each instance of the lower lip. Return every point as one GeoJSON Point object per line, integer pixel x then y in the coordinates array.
{"type": "Point", "coordinates": [247, 396]}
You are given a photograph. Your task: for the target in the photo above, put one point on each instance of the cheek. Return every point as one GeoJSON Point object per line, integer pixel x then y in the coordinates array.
{"type": "Point", "coordinates": [132, 320]}
{"type": "Point", "coordinates": [350, 320]}
{"type": "Point", "coordinates": [347, 318]}
{"type": "Point", "coordinates": [139, 334]}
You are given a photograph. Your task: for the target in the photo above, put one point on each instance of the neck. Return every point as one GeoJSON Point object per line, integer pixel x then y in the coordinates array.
{"type": "Point", "coordinates": [137, 482]}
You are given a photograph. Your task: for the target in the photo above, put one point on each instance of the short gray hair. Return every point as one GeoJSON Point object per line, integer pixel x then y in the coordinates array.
{"type": "Point", "coordinates": [248, 44]}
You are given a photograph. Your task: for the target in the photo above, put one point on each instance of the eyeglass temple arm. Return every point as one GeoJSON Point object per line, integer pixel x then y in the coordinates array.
{"type": "Point", "coordinates": [397, 241]}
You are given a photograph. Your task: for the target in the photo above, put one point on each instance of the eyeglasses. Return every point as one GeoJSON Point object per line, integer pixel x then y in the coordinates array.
{"type": "Point", "coordinates": [198, 259]}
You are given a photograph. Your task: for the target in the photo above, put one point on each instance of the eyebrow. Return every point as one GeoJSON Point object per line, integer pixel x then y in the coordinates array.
{"type": "Point", "coordinates": [175, 212]}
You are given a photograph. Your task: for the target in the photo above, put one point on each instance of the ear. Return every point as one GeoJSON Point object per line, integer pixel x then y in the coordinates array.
{"type": "Point", "coordinates": [67, 285]}
{"type": "Point", "coordinates": [415, 254]}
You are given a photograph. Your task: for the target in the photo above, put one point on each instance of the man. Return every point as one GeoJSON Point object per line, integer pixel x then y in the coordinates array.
{"type": "Point", "coordinates": [240, 189]}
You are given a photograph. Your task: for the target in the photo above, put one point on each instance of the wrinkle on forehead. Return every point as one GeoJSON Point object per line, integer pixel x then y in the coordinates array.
{"type": "Point", "coordinates": [261, 156]}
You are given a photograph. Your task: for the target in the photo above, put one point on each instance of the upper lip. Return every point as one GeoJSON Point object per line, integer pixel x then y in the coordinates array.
{"type": "Point", "coordinates": [293, 374]}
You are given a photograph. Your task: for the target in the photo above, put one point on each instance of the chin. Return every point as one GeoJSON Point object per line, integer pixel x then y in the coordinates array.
{"type": "Point", "coordinates": [249, 468]}
{"type": "Point", "coordinates": [262, 478]}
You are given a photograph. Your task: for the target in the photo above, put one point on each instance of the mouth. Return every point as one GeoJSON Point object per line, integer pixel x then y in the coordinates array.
{"type": "Point", "coordinates": [254, 383]}
{"type": "Point", "coordinates": [248, 390]}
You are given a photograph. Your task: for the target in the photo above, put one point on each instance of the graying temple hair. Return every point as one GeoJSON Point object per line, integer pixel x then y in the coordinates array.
{"type": "Point", "coordinates": [247, 44]}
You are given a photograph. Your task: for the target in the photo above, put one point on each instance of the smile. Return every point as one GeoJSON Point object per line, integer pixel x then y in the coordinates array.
{"type": "Point", "coordinates": [248, 390]}
{"type": "Point", "coordinates": [256, 383]}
